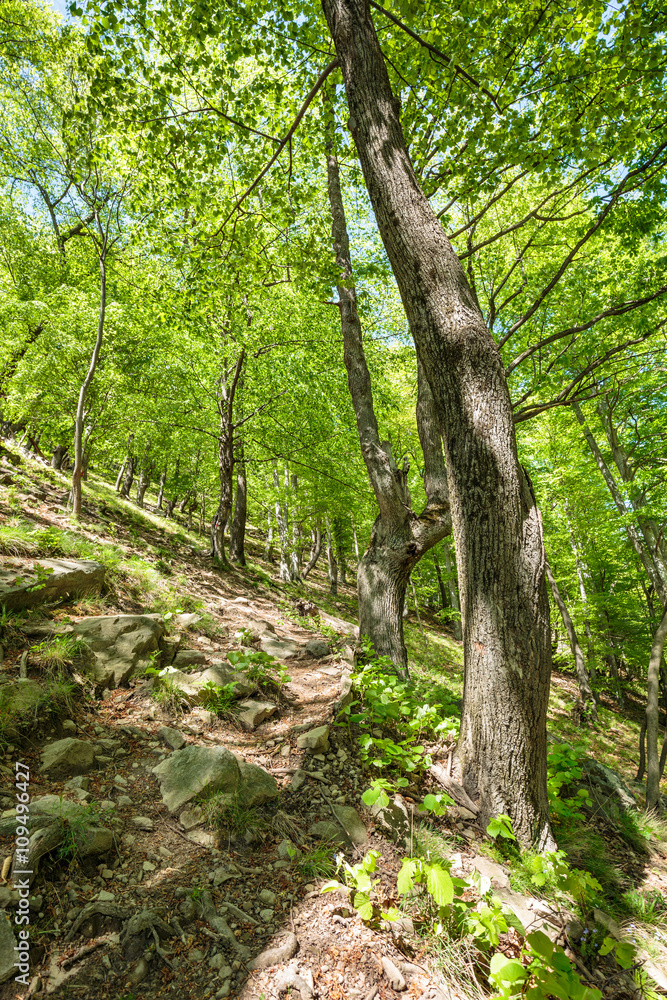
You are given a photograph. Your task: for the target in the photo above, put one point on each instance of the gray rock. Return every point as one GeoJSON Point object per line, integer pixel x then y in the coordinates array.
{"type": "Point", "coordinates": [195, 769]}
{"type": "Point", "coordinates": [394, 975]}
{"type": "Point", "coordinates": [221, 673]}
{"type": "Point", "coordinates": [187, 619]}
{"type": "Point", "coordinates": [121, 645]}
{"type": "Point", "coordinates": [288, 980]}
{"type": "Point", "coordinates": [327, 829]}
{"type": "Point", "coordinates": [143, 822]}
{"type": "Point", "coordinates": [188, 658]}
{"type": "Point", "coordinates": [298, 779]}
{"type": "Point", "coordinates": [67, 757]}
{"type": "Point", "coordinates": [280, 649]}
{"type": "Point", "coordinates": [393, 820]}
{"type": "Point", "coordinates": [268, 897]}
{"type": "Point", "coordinates": [266, 915]}
{"type": "Point", "coordinates": [93, 840]}
{"type": "Point", "coordinates": [171, 737]}
{"type": "Point", "coordinates": [80, 781]}
{"type": "Point", "coordinates": [7, 945]}
{"type": "Point", "coordinates": [68, 726]}
{"type": "Point", "coordinates": [191, 818]}
{"type": "Point", "coordinates": [254, 713]}
{"type": "Point", "coordinates": [354, 826]}
{"type": "Point", "coordinates": [316, 739]}
{"type": "Point", "coordinates": [287, 851]}
{"type": "Point", "coordinates": [256, 785]}
{"type": "Point", "coordinates": [277, 955]}
{"type": "Point", "coordinates": [493, 871]}
{"type": "Point", "coordinates": [317, 648]}
{"type": "Point", "coordinates": [64, 577]}
{"type": "Point", "coordinates": [19, 697]}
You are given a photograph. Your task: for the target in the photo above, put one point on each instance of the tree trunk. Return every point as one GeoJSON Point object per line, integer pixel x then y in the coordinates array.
{"type": "Point", "coordinates": [497, 527]}
{"type": "Point", "coordinates": [444, 598]}
{"type": "Point", "coordinates": [81, 403]}
{"type": "Point", "coordinates": [315, 551]}
{"type": "Point", "coordinates": [58, 455]}
{"type": "Point", "coordinates": [160, 496]}
{"type": "Point", "coordinates": [282, 523]}
{"type": "Point", "coordinates": [585, 690]}
{"type": "Point", "coordinates": [296, 555]}
{"type": "Point", "coordinates": [268, 545]}
{"type": "Point", "coordinates": [453, 593]}
{"type": "Point", "coordinates": [340, 550]}
{"type": "Point", "coordinates": [128, 478]}
{"type": "Point", "coordinates": [399, 537]}
{"type": "Point", "coordinates": [237, 531]}
{"type": "Point", "coordinates": [332, 564]}
{"type": "Point", "coordinates": [144, 477]}
{"type": "Point", "coordinates": [653, 799]}
{"type": "Point", "coordinates": [225, 456]}
{"type": "Point", "coordinates": [356, 542]}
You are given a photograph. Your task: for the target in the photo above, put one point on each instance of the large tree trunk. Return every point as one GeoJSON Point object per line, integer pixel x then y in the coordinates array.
{"type": "Point", "coordinates": [77, 472]}
{"type": "Point", "coordinates": [587, 696]}
{"type": "Point", "coordinates": [128, 477]}
{"type": "Point", "coordinates": [237, 530]}
{"type": "Point", "coordinates": [653, 799]}
{"type": "Point", "coordinates": [225, 455]}
{"type": "Point", "coordinates": [58, 455]}
{"type": "Point", "coordinates": [497, 527]}
{"type": "Point", "coordinates": [399, 537]}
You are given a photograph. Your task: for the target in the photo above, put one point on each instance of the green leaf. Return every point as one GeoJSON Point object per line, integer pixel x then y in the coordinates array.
{"type": "Point", "coordinates": [439, 884]}
{"type": "Point", "coordinates": [405, 881]}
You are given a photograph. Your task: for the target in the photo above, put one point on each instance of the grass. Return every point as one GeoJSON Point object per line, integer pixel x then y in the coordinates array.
{"type": "Point", "coordinates": [226, 813]}
{"type": "Point", "coordinates": [56, 653]}
{"type": "Point", "coordinates": [319, 862]}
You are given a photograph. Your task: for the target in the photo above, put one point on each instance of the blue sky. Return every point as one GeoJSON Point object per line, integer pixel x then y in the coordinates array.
{"type": "Point", "coordinates": [59, 5]}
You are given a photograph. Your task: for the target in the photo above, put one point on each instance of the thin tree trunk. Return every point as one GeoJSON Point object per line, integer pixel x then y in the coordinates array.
{"type": "Point", "coordinates": [282, 523]}
{"type": "Point", "coordinates": [268, 545]}
{"type": "Point", "coordinates": [237, 530]}
{"type": "Point", "coordinates": [585, 690]}
{"type": "Point", "coordinates": [295, 553]}
{"type": "Point", "coordinates": [356, 541]}
{"type": "Point", "coordinates": [160, 496]}
{"type": "Point", "coordinates": [653, 799]}
{"type": "Point", "coordinates": [453, 592]}
{"type": "Point", "coordinates": [144, 476]}
{"type": "Point", "coordinates": [340, 550]}
{"type": "Point", "coordinates": [129, 476]}
{"type": "Point", "coordinates": [332, 564]}
{"type": "Point", "coordinates": [641, 769]}
{"type": "Point", "coordinates": [226, 454]}
{"type": "Point", "coordinates": [444, 599]}
{"type": "Point", "coordinates": [81, 404]}
{"type": "Point", "coordinates": [497, 527]}
{"type": "Point", "coordinates": [315, 551]}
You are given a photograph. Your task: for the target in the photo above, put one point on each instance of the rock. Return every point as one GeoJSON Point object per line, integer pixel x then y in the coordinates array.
{"type": "Point", "coordinates": [287, 851]}
{"type": "Point", "coordinates": [267, 897]}
{"type": "Point", "coordinates": [317, 648]}
{"type": "Point", "coordinates": [93, 840]}
{"type": "Point", "coordinates": [221, 674]}
{"type": "Point", "coordinates": [7, 945]}
{"type": "Point", "coordinates": [143, 822]}
{"type": "Point", "coordinates": [188, 658]}
{"type": "Point", "coordinates": [462, 813]}
{"type": "Point", "coordinates": [138, 972]}
{"type": "Point", "coordinates": [298, 779]}
{"type": "Point", "coordinates": [196, 769]}
{"type": "Point", "coordinates": [266, 915]}
{"type": "Point", "coordinates": [191, 818]}
{"type": "Point", "coordinates": [393, 820]}
{"type": "Point", "coordinates": [348, 655]}
{"type": "Point", "coordinates": [80, 781]}
{"type": "Point", "coordinates": [256, 786]}
{"type": "Point", "coordinates": [121, 645]}
{"type": "Point", "coordinates": [354, 826]}
{"type": "Point", "coordinates": [609, 782]}
{"type": "Point", "coordinates": [395, 977]}
{"type": "Point", "coordinates": [49, 580]}
{"type": "Point", "coordinates": [277, 955]}
{"type": "Point", "coordinates": [67, 757]}
{"type": "Point", "coordinates": [240, 600]}
{"type": "Point", "coordinates": [187, 619]}
{"type": "Point", "coordinates": [19, 697]}
{"type": "Point", "coordinates": [171, 737]}
{"type": "Point", "coordinates": [288, 980]}
{"type": "Point", "coordinates": [105, 897]}
{"type": "Point", "coordinates": [255, 713]}
{"type": "Point", "coordinates": [494, 872]}
{"type": "Point", "coordinates": [316, 739]}
{"type": "Point", "coordinates": [8, 897]}
{"type": "Point", "coordinates": [279, 649]}
{"type": "Point", "coordinates": [326, 829]}
{"type": "Point", "coordinates": [68, 726]}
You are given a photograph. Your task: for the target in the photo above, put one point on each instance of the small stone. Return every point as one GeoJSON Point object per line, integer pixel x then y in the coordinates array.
{"type": "Point", "coordinates": [107, 873]}
{"type": "Point", "coordinates": [105, 897]}
{"type": "Point", "coordinates": [196, 955]}
{"type": "Point", "coordinates": [254, 713]}
{"type": "Point", "coordinates": [266, 915]}
{"type": "Point", "coordinates": [143, 822]}
{"type": "Point", "coordinates": [395, 977]}
{"type": "Point", "coordinates": [123, 801]}
{"type": "Point", "coordinates": [317, 648]}
{"type": "Point", "coordinates": [316, 739]}
{"type": "Point", "coordinates": [287, 850]}
{"type": "Point", "coordinates": [267, 897]}
{"type": "Point", "coordinates": [148, 866]}
{"type": "Point", "coordinates": [69, 726]}
{"type": "Point", "coordinates": [171, 737]}
{"type": "Point", "coordinates": [297, 781]}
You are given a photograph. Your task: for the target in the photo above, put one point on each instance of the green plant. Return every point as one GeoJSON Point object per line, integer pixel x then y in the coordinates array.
{"type": "Point", "coordinates": [318, 862]}
{"type": "Point", "coordinates": [542, 970]}
{"type": "Point", "coordinates": [58, 651]}
{"type": "Point", "coordinates": [218, 699]}
{"type": "Point", "coordinates": [260, 668]}
{"type": "Point", "coordinates": [357, 879]}
{"type": "Point", "coordinates": [500, 826]}
{"type": "Point", "coordinates": [563, 768]}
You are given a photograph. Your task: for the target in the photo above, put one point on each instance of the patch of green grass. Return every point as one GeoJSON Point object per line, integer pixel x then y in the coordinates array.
{"type": "Point", "coordinates": [225, 812]}
{"type": "Point", "coordinates": [319, 862]}
{"type": "Point", "coordinates": [57, 652]}
{"type": "Point", "coordinates": [648, 907]}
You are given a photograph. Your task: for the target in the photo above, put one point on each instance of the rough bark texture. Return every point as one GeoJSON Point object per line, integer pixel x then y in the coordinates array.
{"type": "Point", "coordinates": [77, 472]}
{"type": "Point", "coordinates": [237, 529]}
{"type": "Point", "coordinates": [160, 496]}
{"type": "Point", "coordinates": [653, 799]}
{"type": "Point", "coordinates": [229, 379]}
{"type": "Point", "coordinates": [585, 690]}
{"type": "Point", "coordinates": [332, 565]}
{"type": "Point", "coordinates": [399, 537]}
{"type": "Point", "coordinates": [497, 526]}
{"type": "Point", "coordinates": [58, 455]}
{"type": "Point", "coordinates": [128, 475]}
{"type": "Point", "coordinates": [315, 551]}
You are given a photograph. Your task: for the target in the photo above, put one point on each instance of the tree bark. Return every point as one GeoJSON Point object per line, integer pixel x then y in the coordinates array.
{"type": "Point", "coordinates": [444, 597]}
{"type": "Point", "coordinates": [315, 551]}
{"type": "Point", "coordinates": [585, 690]}
{"type": "Point", "coordinates": [144, 476]}
{"type": "Point", "coordinates": [226, 397]}
{"type": "Point", "coordinates": [282, 523]}
{"type": "Point", "coordinates": [160, 496]}
{"type": "Point", "coordinates": [653, 798]}
{"type": "Point", "coordinates": [399, 537]}
{"type": "Point", "coordinates": [331, 562]}
{"type": "Point", "coordinates": [237, 530]}
{"type": "Point", "coordinates": [81, 403]}
{"type": "Point", "coordinates": [340, 550]}
{"type": "Point", "coordinates": [128, 478]}
{"type": "Point", "coordinates": [268, 545]}
{"type": "Point", "coordinates": [453, 593]}
{"type": "Point", "coordinates": [497, 527]}
{"type": "Point", "coordinates": [58, 456]}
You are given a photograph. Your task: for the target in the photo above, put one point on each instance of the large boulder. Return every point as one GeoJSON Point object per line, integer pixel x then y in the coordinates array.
{"type": "Point", "coordinates": [121, 645]}
{"type": "Point", "coordinates": [192, 685]}
{"type": "Point", "coordinates": [196, 770]}
{"type": "Point", "coordinates": [45, 580]}
{"type": "Point", "coordinates": [279, 649]}
{"type": "Point", "coordinates": [67, 757]}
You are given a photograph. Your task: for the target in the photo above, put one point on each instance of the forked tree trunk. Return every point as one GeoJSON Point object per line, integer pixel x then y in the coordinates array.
{"type": "Point", "coordinates": [315, 551]}
{"type": "Point", "coordinates": [268, 545]}
{"type": "Point", "coordinates": [399, 537]}
{"type": "Point", "coordinates": [587, 696]}
{"type": "Point", "coordinates": [653, 798]}
{"type": "Point", "coordinates": [497, 527]}
{"type": "Point", "coordinates": [229, 380]}
{"type": "Point", "coordinates": [237, 530]}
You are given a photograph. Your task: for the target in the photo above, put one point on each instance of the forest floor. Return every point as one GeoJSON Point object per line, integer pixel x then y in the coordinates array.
{"type": "Point", "coordinates": [158, 566]}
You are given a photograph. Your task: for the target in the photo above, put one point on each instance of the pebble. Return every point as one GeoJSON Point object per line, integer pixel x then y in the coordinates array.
{"type": "Point", "coordinates": [148, 867]}
{"type": "Point", "coordinates": [267, 897]}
